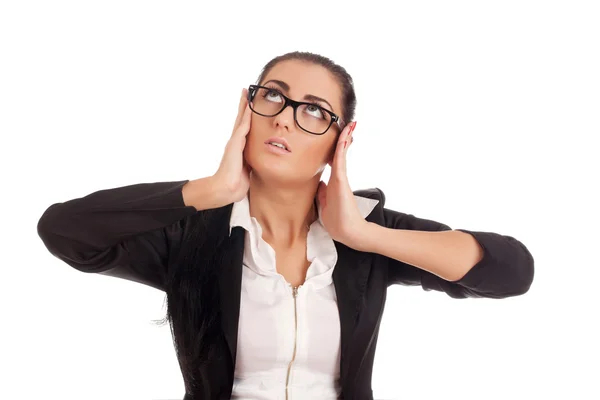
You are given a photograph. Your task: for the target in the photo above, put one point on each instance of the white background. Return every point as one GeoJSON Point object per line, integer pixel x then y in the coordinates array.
{"type": "Point", "coordinates": [480, 115]}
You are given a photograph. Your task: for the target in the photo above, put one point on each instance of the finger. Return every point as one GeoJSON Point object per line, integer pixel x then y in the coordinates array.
{"type": "Point", "coordinates": [244, 125]}
{"type": "Point", "coordinates": [241, 108]}
{"type": "Point", "coordinates": [347, 135]}
{"type": "Point", "coordinates": [339, 143]}
{"type": "Point", "coordinates": [350, 137]}
{"type": "Point", "coordinates": [339, 159]}
{"type": "Point", "coordinates": [342, 139]}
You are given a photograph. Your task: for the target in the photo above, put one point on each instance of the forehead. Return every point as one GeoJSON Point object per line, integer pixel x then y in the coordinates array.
{"type": "Point", "coordinates": [307, 78]}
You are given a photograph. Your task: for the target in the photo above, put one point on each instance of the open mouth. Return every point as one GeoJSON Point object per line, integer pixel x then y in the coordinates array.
{"type": "Point", "coordinates": [279, 145]}
{"type": "Point", "coordinates": [279, 142]}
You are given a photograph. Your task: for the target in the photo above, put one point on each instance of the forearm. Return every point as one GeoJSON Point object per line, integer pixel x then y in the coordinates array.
{"type": "Point", "coordinates": [79, 228]}
{"type": "Point", "coordinates": [447, 254]}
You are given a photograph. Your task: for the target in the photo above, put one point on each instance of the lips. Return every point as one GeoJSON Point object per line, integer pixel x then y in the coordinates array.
{"type": "Point", "coordinates": [279, 140]}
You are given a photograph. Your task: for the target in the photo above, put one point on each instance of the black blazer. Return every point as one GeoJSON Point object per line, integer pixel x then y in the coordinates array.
{"type": "Point", "coordinates": [133, 232]}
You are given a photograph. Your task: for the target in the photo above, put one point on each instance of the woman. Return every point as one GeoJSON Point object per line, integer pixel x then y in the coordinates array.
{"type": "Point", "coordinates": [263, 248]}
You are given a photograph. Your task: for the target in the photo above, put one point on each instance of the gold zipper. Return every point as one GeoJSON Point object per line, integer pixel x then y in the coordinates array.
{"type": "Point", "coordinates": [287, 380]}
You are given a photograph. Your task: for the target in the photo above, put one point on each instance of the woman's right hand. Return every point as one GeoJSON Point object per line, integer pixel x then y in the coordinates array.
{"type": "Point", "coordinates": [233, 175]}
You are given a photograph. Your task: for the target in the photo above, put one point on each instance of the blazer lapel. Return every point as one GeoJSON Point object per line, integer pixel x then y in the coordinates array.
{"type": "Point", "coordinates": [350, 278]}
{"type": "Point", "coordinates": [230, 286]}
{"type": "Point", "coordinates": [229, 254]}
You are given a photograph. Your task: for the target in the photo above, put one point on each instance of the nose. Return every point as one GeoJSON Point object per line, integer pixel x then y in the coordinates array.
{"type": "Point", "coordinates": [285, 118]}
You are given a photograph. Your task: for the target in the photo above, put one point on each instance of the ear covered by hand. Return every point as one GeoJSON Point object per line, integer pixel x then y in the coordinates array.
{"type": "Point", "coordinates": [337, 207]}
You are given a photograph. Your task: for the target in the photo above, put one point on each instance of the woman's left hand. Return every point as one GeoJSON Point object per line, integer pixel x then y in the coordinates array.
{"type": "Point", "coordinates": [339, 212]}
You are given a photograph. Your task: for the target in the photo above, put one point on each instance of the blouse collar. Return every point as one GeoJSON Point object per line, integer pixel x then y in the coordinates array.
{"type": "Point", "coordinates": [240, 214]}
{"type": "Point", "coordinates": [321, 251]}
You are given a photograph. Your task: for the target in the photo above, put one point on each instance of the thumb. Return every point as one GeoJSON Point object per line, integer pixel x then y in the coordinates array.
{"type": "Point", "coordinates": [322, 194]}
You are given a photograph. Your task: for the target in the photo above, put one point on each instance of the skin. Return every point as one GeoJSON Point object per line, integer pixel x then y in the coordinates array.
{"type": "Point", "coordinates": [282, 189]}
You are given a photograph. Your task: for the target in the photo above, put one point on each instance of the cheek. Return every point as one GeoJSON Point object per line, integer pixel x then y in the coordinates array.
{"type": "Point", "coordinates": [331, 146]}
{"type": "Point", "coordinates": [259, 131]}
{"type": "Point", "coordinates": [319, 152]}
{"type": "Point", "coordinates": [255, 152]}
{"type": "Point", "coordinates": [250, 149]}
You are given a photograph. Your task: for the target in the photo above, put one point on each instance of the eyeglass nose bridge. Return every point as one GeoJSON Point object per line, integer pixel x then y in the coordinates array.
{"type": "Point", "coordinates": [291, 103]}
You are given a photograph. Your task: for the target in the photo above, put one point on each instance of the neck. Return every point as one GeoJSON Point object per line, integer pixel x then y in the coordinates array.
{"type": "Point", "coordinates": [284, 213]}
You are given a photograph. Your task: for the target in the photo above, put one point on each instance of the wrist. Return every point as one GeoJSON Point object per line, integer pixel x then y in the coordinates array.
{"type": "Point", "coordinates": [221, 193]}
{"type": "Point", "coordinates": [205, 193]}
{"type": "Point", "coordinates": [364, 237]}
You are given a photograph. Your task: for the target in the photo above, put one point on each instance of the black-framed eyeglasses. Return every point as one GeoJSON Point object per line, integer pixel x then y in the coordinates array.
{"type": "Point", "coordinates": [312, 118]}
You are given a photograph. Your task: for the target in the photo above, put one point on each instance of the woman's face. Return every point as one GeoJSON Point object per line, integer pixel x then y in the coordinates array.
{"type": "Point", "coordinates": [307, 154]}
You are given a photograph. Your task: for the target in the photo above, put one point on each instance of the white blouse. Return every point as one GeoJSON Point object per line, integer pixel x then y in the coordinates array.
{"type": "Point", "coordinates": [288, 340]}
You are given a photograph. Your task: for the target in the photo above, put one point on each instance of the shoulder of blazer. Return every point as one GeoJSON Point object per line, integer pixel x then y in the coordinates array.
{"type": "Point", "coordinates": [214, 221]}
{"type": "Point", "coordinates": [372, 193]}
{"type": "Point", "coordinates": [377, 214]}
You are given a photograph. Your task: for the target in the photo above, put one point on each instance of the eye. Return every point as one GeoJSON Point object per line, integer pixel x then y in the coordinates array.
{"type": "Point", "coordinates": [272, 95]}
{"type": "Point", "coordinates": [314, 111]}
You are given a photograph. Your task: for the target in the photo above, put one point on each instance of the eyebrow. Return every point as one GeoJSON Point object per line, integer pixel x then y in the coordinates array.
{"type": "Point", "coordinates": [310, 97]}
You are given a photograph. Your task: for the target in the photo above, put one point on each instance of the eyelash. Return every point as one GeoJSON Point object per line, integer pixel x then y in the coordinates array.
{"type": "Point", "coordinates": [276, 89]}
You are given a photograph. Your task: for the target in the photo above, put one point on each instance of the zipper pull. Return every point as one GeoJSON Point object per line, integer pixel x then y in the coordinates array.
{"type": "Point", "coordinates": [295, 291]}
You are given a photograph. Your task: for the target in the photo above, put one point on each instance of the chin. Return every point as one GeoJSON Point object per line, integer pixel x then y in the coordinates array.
{"type": "Point", "coordinates": [271, 169]}
{"type": "Point", "coordinates": [274, 168]}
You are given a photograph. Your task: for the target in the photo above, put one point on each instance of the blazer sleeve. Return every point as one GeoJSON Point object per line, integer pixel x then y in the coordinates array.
{"type": "Point", "coordinates": [506, 269]}
{"type": "Point", "coordinates": [126, 232]}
